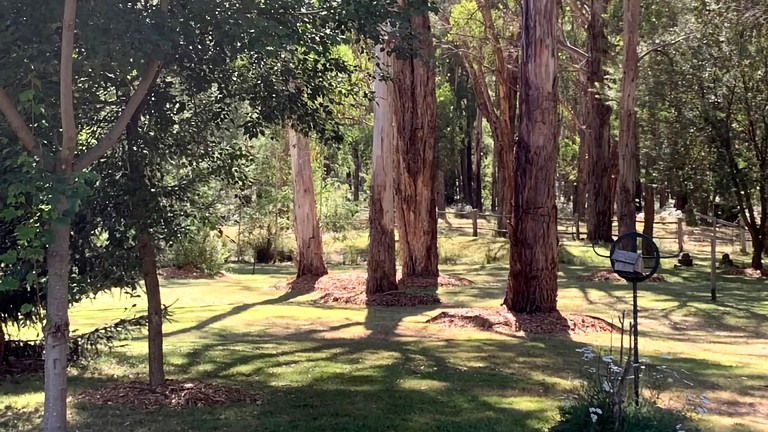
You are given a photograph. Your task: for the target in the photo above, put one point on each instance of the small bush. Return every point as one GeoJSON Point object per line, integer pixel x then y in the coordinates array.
{"type": "Point", "coordinates": [604, 402]}
{"type": "Point", "coordinates": [203, 251]}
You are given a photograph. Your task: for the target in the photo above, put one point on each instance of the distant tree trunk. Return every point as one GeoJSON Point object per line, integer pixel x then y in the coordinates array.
{"type": "Point", "coordinates": [440, 191]}
{"type": "Point", "coordinates": [681, 200]}
{"type": "Point", "coordinates": [309, 240]}
{"type": "Point", "coordinates": [532, 284]}
{"type": "Point", "coordinates": [414, 79]}
{"type": "Point", "coordinates": [2, 345]}
{"type": "Point", "coordinates": [598, 138]}
{"type": "Point", "coordinates": [494, 181]}
{"type": "Point", "coordinates": [356, 174]}
{"type": "Point", "coordinates": [663, 194]}
{"type": "Point", "coordinates": [628, 153]}
{"type": "Point", "coordinates": [478, 169]}
{"type": "Point", "coordinates": [649, 216]}
{"type": "Point", "coordinates": [580, 187]}
{"type": "Point", "coordinates": [382, 272]}
{"type": "Point", "coordinates": [465, 160]}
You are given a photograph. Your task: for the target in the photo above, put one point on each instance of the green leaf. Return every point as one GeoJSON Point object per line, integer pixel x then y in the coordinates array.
{"type": "Point", "coordinates": [25, 233]}
{"type": "Point", "coordinates": [26, 308]}
{"type": "Point", "coordinates": [8, 285]}
{"type": "Point", "coordinates": [9, 257]}
{"type": "Point", "coordinates": [26, 96]}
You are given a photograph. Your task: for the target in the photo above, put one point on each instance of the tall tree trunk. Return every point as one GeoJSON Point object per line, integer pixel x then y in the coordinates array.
{"type": "Point", "coordinates": [649, 217]}
{"type": "Point", "coordinates": [56, 329]}
{"type": "Point", "coordinates": [628, 153]}
{"type": "Point", "coordinates": [2, 344]}
{"type": "Point", "coordinates": [494, 181]}
{"type": "Point", "coordinates": [465, 161]}
{"type": "Point", "coordinates": [758, 247]}
{"type": "Point", "coordinates": [382, 271]}
{"type": "Point", "coordinates": [146, 250]}
{"type": "Point", "coordinates": [356, 173]}
{"type": "Point", "coordinates": [532, 284]}
{"type": "Point", "coordinates": [415, 167]}
{"type": "Point", "coordinates": [597, 134]}
{"type": "Point", "coordinates": [148, 259]}
{"type": "Point", "coordinates": [478, 169]}
{"type": "Point", "coordinates": [309, 240]}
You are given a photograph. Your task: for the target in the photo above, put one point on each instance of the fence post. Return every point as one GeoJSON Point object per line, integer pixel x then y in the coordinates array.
{"type": "Point", "coordinates": [577, 227]}
{"type": "Point", "coordinates": [680, 235]}
{"type": "Point", "coordinates": [474, 222]}
{"type": "Point", "coordinates": [742, 237]}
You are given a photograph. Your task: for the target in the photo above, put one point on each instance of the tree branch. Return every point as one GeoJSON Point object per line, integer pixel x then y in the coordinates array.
{"type": "Point", "coordinates": [110, 140]}
{"type": "Point", "coordinates": [18, 125]}
{"type": "Point", "coordinates": [68, 126]}
{"type": "Point", "coordinates": [659, 48]}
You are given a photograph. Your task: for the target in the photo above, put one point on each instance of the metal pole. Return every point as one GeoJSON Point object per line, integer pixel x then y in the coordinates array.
{"type": "Point", "coordinates": [637, 351]}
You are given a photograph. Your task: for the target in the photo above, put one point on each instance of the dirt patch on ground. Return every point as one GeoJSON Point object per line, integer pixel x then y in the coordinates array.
{"type": "Point", "coordinates": [174, 394]}
{"type": "Point", "coordinates": [746, 272]}
{"type": "Point", "coordinates": [611, 276]}
{"type": "Point", "coordinates": [500, 320]}
{"type": "Point", "coordinates": [188, 272]}
{"type": "Point", "coordinates": [349, 288]}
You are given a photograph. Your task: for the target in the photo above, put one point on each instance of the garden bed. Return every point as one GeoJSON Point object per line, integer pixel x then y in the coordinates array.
{"type": "Point", "coordinates": [499, 320]}
{"type": "Point", "coordinates": [173, 394]}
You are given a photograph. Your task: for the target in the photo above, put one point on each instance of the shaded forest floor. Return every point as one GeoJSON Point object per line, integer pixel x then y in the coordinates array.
{"type": "Point", "coordinates": [328, 367]}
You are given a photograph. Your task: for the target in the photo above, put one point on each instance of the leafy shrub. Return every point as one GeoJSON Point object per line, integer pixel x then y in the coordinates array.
{"type": "Point", "coordinates": [204, 251]}
{"type": "Point", "coordinates": [601, 404]}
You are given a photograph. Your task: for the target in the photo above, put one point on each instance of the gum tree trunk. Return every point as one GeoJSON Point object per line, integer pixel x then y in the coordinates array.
{"type": "Point", "coordinates": [597, 133]}
{"type": "Point", "coordinates": [532, 283]}
{"type": "Point", "coordinates": [309, 240]}
{"type": "Point", "coordinates": [478, 169]}
{"type": "Point", "coordinates": [628, 153]}
{"type": "Point", "coordinates": [382, 271]}
{"type": "Point", "coordinates": [649, 215]}
{"type": "Point", "coordinates": [416, 101]}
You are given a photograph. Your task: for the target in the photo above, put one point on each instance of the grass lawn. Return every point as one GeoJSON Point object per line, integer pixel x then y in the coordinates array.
{"type": "Point", "coordinates": [332, 368]}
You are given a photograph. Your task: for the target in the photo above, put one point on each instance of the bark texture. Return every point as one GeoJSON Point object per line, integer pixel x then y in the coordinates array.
{"type": "Point", "coordinates": [597, 133]}
{"type": "Point", "coordinates": [532, 284]}
{"type": "Point", "coordinates": [309, 240]}
{"type": "Point", "coordinates": [628, 153]}
{"type": "Point", "coordinates": [382, 271]}
{"type": "Point", "coordinates": [416, 101]}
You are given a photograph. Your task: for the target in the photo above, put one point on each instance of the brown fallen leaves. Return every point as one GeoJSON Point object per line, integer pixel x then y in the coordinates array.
{"type": "Point", "coordinates": [174, 395]}
{"type": "Point", "coordinates": [746, 272]}
{"type": "Point", "coordinates": [349, 288]}
{"type": "Point", "coordinates": [611, 276]}
{"type": "Point", "coordinates": [500, 320]}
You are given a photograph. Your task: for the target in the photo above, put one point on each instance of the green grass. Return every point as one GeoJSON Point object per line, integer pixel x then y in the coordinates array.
{"type": "Point", "coordinates": [329, 368]}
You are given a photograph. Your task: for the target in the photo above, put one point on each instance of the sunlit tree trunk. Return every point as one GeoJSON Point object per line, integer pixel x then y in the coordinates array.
{"type": "Point", "coordinates": [532, 284]}
{"type": "Point", "coordinates": [628, 153]}
{"type": "Point", "coordinates": [478, 169]}
{"type": "Point", "coordinates": [309, 240]}
{"type": "Point", "coordinates": [416, 101]}
{"type": "Point", "coordinates": [382, 271]}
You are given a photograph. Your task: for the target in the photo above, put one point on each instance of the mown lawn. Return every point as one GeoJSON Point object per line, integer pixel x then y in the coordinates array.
{"type": "Point", "coordinates": [330, 368]}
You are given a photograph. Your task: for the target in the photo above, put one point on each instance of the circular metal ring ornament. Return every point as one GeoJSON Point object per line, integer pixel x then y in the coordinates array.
{"type": "Point", "coordinates": [619, 264]}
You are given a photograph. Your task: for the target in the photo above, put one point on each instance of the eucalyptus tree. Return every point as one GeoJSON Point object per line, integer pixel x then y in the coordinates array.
{"type": "Point", "coordinates": [532, 282]}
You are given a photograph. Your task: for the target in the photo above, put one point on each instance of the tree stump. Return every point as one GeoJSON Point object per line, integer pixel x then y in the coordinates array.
{"type": "Point", "coordinates": [685, 260]}
{"type": "Point", "coordinates": [727, 262]}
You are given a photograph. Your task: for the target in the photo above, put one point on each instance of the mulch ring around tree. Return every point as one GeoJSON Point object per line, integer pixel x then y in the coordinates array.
{"type": "Point", "coordinates": [188, 272]}
{"type": "Point", "coordinates": [173, 394]}
{"type": "Point", "coordinates": [611, 276]}
{"type": "Point", "coordinates": [746, 272]}
{"type": "Point", "coordinates": [499, 320]}
{"type": "Point", "coordinates": [349, 288]}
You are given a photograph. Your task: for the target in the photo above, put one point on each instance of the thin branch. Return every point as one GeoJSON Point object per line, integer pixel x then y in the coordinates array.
{"type": "Point", "coordinates": [659, 48]}
{"type": "Point", "coordinates": [110, 140]}
{"type": "Point", "coordinates": [18, 125]}
{"type": "Point", "coordinates": [570, 49]}
{"type": "Point", "coordinates": [68, 126]}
